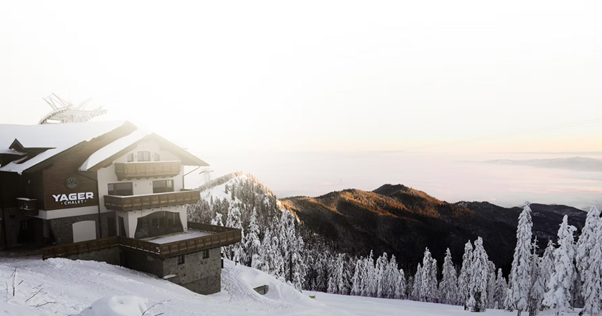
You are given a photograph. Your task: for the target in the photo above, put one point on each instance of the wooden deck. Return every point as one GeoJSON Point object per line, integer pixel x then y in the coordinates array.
{"type": "Point", "coordinates": [222, 236]}
{"type": "Point", "coordinates": [150, 169]}
{"type": "Point", "coordinates": [148, 201]}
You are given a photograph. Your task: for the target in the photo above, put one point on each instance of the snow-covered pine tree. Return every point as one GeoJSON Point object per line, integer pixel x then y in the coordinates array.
{"type": "Point", "coordinates": [252, 242]}
{"type": "Point", "coordinates": [357, 282]}
{"type": "Point", "coordinates": [428, 289]}
{"type": "Point", "coordinates": [262, 261]}
{"type": "Point", "coordinates": [342, 276]}
{"type": "Point", "coordinates": [381, 265]}
{"type": "Point", "coordinates": [501, 286]}
{"type": "Point", "coordinates": [368, 276]}
{"type": "Point", "coordinates": [217, 220]}
{"type": "Point", "coordinates": [537, 289]}
{"type": "Point", "coordinates": [417, 286]}
{"type": "Point", "coordinates": [464, 278]}
{"type": "Point", "coordinates": [277, 259]}
{"type": "Point", "coordinates": [448, 288]}
{"type": "Point", "coordinates": [400, 285]}
{"type": "Point", "coordinates": [589, 260]}
{"type": "Point", "coordinates": [558, 295]}
{"type": "Point", "coordinates": [391, 278]}
{"type": "Point", "coordinates": [479, 276]}
{"type": "Point", "coordinates": [491, 285]}
{"type": "Point", "coordinates": [520, 281]}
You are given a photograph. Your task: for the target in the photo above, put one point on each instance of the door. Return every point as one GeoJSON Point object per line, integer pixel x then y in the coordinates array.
{"type": "Point", "coordinates": [84, 230]}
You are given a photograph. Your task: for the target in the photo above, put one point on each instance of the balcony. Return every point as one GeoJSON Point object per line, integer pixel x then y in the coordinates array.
{"type": "Point", "coordinates": [148, 201]}
{"type": "Point", "coordinates": [151, 169]}
{"type": "Point", "coordinates": [28, 206]}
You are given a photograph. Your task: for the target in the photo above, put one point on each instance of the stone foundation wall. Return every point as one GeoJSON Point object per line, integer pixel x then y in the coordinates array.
{"type": "Point", "coordinates": [63, 230]}
{"type": "Point", "coordinates": [199, 275]}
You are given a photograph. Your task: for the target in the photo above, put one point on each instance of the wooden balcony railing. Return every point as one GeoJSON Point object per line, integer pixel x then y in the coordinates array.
{"type": "Point", "coordinates": [147, 201]}
{"type": "Point", "coordinates": [62, 251]}
{"type": "Point", "coordinates": [151, 169]}
{"type": "Point", "coordinates": [222, 236]}
{"type": "Point", "coordinates": [28, 206]}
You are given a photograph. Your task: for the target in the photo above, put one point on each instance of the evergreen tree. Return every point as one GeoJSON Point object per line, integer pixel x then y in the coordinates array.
{"type": "Point", "coordinates": [501, 286]}
{"type": "Point", "coordinates": [448, 288]}
{"type": "Point", "coordinates": [429, 277]}
{"type": "Point", "coordinates": [400, 285]}
{"type": "Point", "coordinates": [589, 261]}
{"type": "Point", "coordinates": [537, 289]}
{"type": "Point", "coordinates": [491, 285]}
{"type": "Point", "coordinates": [356, 288]}
{"type": "Point", "coordinates": [479, 275]}
{"type": "Point", "coordinates": [417, 283]}
{"type": "Point", "coordinates": [520, 281]}
{"type": "Point", "coordinates": [391, 278]}
{"type": "Point", "coordinates": [252, 242]}
{"type": "Point", "coordinates": [381, 265]}
{"type": "Point", "coordinates": [561, 281]}
{"type": "Point", "coordinates": [464, 278]}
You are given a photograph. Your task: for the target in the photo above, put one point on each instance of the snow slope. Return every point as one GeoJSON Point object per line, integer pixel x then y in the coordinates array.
{"type": "Point", "coordinates": [69, 287]}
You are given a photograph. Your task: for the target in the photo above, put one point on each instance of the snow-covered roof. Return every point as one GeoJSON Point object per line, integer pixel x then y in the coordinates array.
{"type": "Point", "coordinates": [56, 138]}
{"type": "Point", "coordinates": [189, 234]}
{"type": "Point", "coordinates": [113, 148]}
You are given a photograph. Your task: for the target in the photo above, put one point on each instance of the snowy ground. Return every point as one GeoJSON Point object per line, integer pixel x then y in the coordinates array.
{"type": "Point", "coordinates": [68, 287]}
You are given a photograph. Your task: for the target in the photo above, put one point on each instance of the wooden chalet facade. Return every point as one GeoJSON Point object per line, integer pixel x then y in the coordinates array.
{"type": "Point", "coordinates": [106, 191]}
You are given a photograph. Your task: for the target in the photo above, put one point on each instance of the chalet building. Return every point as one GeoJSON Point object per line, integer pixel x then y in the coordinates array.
{"type": "Point", "coordinates": [107, 191]}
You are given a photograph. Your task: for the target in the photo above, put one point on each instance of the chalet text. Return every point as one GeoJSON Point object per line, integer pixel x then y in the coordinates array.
{"type": "Point", "coordinates": [73, 198]}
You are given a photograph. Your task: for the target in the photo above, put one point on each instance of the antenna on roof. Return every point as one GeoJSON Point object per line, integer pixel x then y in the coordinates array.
{"type": "Point", "coordinates": [66, 112]}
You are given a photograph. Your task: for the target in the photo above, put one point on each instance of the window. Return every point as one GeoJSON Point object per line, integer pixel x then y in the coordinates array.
{"type": "Point", "coordinates": [157, 224]}
{"type": "Point", "coordinates": [162, 186]}
{"type": "Point", "coordinates": [181, 259]}
{"type": "Point", "coordinates": [144, 156]}
{"type": "Point", "coordinates": [205, 254]}
{"type": "Point", "coordinates": [121, 189]}
{"type": "Point", "coordinates": [156, 157]}
{"type": "Point", "coordinates": [130, 157]}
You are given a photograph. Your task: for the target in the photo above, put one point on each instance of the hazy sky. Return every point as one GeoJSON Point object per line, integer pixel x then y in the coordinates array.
{"type": "Point", "coordinates": [235, 80]}
{"type": "Point", "coordinates": [314, 76]}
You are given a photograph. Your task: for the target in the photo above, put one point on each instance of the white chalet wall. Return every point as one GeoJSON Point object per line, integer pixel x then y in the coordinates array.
{"type": "Point", "coordinates": [140, 186]}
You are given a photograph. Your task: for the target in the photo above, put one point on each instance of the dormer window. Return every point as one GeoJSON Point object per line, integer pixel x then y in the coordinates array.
{"type": "Point", "coordinates": [130, 157]}
{"type": "Point", "coordinates": [156, 157]}
{"type": "Point", "coordinates": [144, 156]}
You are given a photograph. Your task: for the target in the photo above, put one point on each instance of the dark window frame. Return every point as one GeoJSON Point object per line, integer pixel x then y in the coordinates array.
{"type": "Point", "coordinates": [121, 191]}
{"type": "Point", "coordinates": [144, 156]}
{"type": "Point", "coordinates": [168, 186]}
{"type": "Point", "coordinates": [205, 253]}
{"type": "Point", "coordinates": [181, 259]}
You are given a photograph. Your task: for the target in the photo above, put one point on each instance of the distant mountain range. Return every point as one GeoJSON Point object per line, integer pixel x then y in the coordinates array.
{"type": "Point", "coordinates": [403, 221]}
{"type": "Point", "coordinates": [571, 163]}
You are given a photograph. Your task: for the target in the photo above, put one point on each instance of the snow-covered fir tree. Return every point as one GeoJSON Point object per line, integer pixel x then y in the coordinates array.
{"type": "Point", "coordinates": [417, 286]}
{"type": "Point", "coordinates": [380, 269]}
{"type": "Point", "coordinates": [464, 278]}
{"type": "Point", "coordinates": [428, 289]}
{"type": "Point", "coordinates": [252, 243]}
{"type": "Point", "coordinates": [537, 289]}
{"type": "Point", "coordinates": [558, 296]}
{"type": "Point", "coordinates": [501, 286]}
{"type": "Point", "coordinates": [400, 285]}
{"type": "Point", "coordinates": [491, 286]}
{"type": "Point", "coordinates": [479, 275]}
{"type": "Point", "coordinates": [589, 262]}
{"type": "Point", "coordinates": [448, 287]}
{"type": "Point", "coordinates": [356, 281]}
{"type": "Point", "coordinates": [520, 281]}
